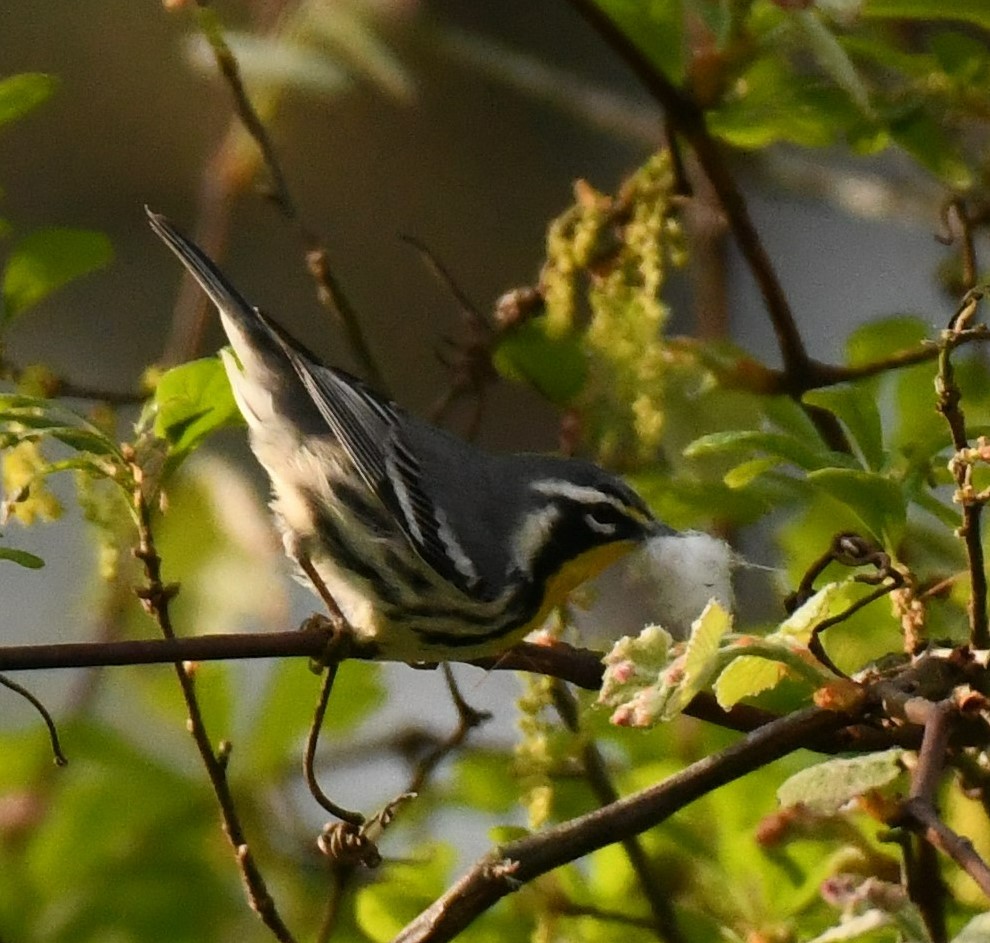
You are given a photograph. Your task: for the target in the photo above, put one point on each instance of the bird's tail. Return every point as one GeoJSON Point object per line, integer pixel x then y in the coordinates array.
{"type": "Point", "coordinates": [263, 369]}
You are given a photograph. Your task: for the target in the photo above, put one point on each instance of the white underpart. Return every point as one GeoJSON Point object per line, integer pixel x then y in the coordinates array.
{"type": "Point", "coordinates": [455, 552]}
{"type": "Point", "coordinates": [686, 572]}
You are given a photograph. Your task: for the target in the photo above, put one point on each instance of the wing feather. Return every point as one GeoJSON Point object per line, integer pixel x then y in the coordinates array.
{"type": "Point", "coordinates": [370, 430]}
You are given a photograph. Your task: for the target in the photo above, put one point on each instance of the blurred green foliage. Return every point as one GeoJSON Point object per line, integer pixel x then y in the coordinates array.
{"type": "Point", "coordinates": [125, 843]}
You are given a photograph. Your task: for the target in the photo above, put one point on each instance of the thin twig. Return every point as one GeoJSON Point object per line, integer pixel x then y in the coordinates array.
{"type": "Point", "coordinates": [507, 868]}
{"type": "Point", "coordinates": [959, 848]}
{"type": "Point", "coordinates": [328, 289]}
{"type": "Point", "coordinates": [948, 404]}
{"type": "Point", "coordinates": [155, 598]}
{"type": "Point", "coordinates": [312, 739]}
{"type": "Point", "coordinates": [596, 772]}
{"type": "Point", "coordinates": [60, 758]}
{"type": "Point", "coordinates": [468, 718]}
{"type": "Point", "coordinates": [687, 119]}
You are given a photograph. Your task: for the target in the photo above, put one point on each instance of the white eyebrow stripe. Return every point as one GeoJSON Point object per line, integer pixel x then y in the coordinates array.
{"type": "Point", "coordinates": [583, 494]}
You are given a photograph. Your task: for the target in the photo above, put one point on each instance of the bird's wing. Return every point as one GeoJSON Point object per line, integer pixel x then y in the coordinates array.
{"type": "Point", "coordinates": [370, 430]}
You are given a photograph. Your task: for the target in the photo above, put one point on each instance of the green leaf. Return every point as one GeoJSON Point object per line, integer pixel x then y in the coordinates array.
{"type": "Point", "coordinates": [555, 366]}
{"type": "Point", "coordinates": [192, 401]}
{"type": "Point", "coordinates": [832, 57]}
{"type": "Point", "coordinates": [879, 340]}
{"type": "Point", "coordinates": [922, 136]}
{"type": "Point", "coordinates": [746, 473]}
{"type": "Point", "coordinates": [772, 103]}
{"type": "Point", "coordinates": [746, 676]}
{"type": "Point", "coordinates": [966, 11]}
{"type": "Point", "coordinates": [20, 94]}
{"type": "Point", "coordinates": [827, 787]}
{"type": "Point", "coordinates": [46, 260]}
{"type": "Point", "coordinates": [285, 710]}
{"type": "Point", "coordinates": [22, 558]}
{"type": "Point", "coordinates": [855, 406]}
{"type": "Point", "coordinates": [877, 501]}
{"type": "Point", "coordinates": [655, 27]}
{"type": "Point", "coordinates": [385, 907]}
{"type": "Point", "coordinates": [779, 444]}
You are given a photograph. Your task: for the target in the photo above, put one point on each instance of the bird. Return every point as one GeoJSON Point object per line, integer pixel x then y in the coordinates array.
{"type": "Point", "coordinates": [431, 548]}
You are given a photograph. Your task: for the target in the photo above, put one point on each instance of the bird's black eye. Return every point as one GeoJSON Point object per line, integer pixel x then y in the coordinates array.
{"type": "Point", "coordinates": [601, 520]}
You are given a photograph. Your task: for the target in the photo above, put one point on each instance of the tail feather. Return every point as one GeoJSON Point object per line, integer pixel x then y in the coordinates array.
{"type": "Point", "coordinates": [262, 374]}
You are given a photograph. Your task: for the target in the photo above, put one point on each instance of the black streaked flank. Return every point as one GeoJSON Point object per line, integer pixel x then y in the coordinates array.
{"type": "Point", "coordinates": [344, 555]}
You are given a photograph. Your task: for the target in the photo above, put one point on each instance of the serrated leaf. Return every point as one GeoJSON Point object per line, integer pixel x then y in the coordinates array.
{"type": "Point", "coordinates": [21, 558]}
{"type": "Point", "coordinates": [46, 260]}
{"type": "Point", "coordinates": [876, 501]}
{"type": "Point", "coordinates": [827, 787]}
{"type": "Point", "coordinates": [192, 401]}
{"type": "Point", "coordinates": [746, 676]}
{"type": "Point", "coordinates": [707, 632]}
{"type": "Point", "coordinates": [20, 94]}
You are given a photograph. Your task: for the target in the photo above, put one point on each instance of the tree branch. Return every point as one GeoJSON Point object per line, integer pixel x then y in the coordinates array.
{"type": "Point", "coordinates": [328, 289]}
{"type": "Point", "coordinates": [687, 118]}
{"type": "Point", "coordinates": [651, 884]}
{"type": "Point", "coordinates": [508, 867]}
{"type": "Point", "coordinates": [156, 597]}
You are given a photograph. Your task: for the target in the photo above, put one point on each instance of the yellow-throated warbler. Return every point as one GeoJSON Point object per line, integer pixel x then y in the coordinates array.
{"type": "Point", "coordinates": [429, 546]}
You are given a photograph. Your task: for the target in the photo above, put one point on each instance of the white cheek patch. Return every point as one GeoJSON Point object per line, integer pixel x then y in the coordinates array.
{"type": "Point", "coordinates": [532, 536]}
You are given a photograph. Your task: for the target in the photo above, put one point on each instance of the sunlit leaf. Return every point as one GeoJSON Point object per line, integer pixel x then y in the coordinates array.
{"type": "Point", "coordinates": [46, 260]}
{"type": "Point", "coordinates": [770, 103]}
{"type": "Point", "coordinates": [827, 787]}
{"type": "Point", "coordinates": [746, 676]}
{"type": "Point", "coordinates": [193, 400]}
{"type": "Point", "coordinates": [747, 442]}
{"type": "Point", "coordinates": [877, 340]}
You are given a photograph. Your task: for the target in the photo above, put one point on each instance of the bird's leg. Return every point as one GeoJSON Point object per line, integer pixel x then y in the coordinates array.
{"type": "Point", "coordinates": [341, 633]}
